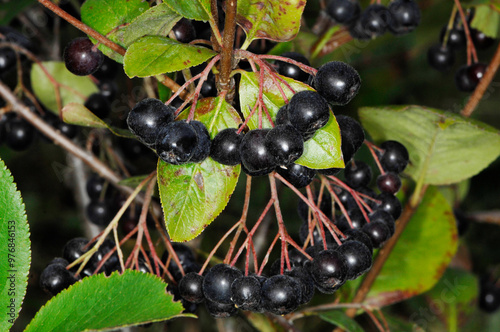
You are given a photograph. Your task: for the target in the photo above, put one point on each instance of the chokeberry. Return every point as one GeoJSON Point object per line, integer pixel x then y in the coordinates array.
{"type": "Point", "coordinates": [98, 104]}
{"type": "Point", "coordinates": [99, 212]}
{"type": "Point", "coordinates": [209, 87]}
{"type": "Point", "coordinates": [19, 134]}
{"type": "Point", "coordinates": [7, 59]}
{"type": "Point", "coordinates": [176, 142]}
{"type": "Point", "coordinates": [306, 282]}
{"type": "Point", "coordinates": [358, 174]}
{"type": "Point", "coordinates": [282, 116]}
{"type": "Point", "coordinates": [358, 258]}
{"type": "Point", "coordinates": [405, 16]}
{"type": "Point", "coordinates": [202, 149]}
{"type": "Point", "coordinates": [463, 80]}
{"type": "Point", "coordinates": [74, 248]}
{"type": "Point", "coordinates": [255, 156]}
{"type": "Point", "coordinates": [246, 293]}
{"type": "Point", "coordinates": [390, 203]}
{"type": "Point", "coordinates": [225, 148]}
{"type": "Point", "coordinates": [191, 287]}
{"type": "Point", "coordinates": [146, 118]}
{"type": "Point", "coordinates": [357, 220]}
{"type": "Point", "coordinates": [308, 111]}
{"type": "Point", "coordinates": [285, 144]}
{"type": "Point", "coordinates": [389, 182]}
{"type": "Point", "coordinates": [299, 176]}
{"type": "Point", "coordinates": [81, 57]}
{"type": "Point", "coordinates": [337, 82]}
{"type": "Point", "coordinates": [217, 283]}
{"type": "Point", "coordinates": [352, 136]}
{"type": "Point", "coordinates": [384, 217]}
{"type": "Point", "coordinates": [293, 71]}
{"type": "Point", "coordinates": [456, 38]}
{"type": "Point", "coordinates": [55, 278]}
{"type": "Point", "coordinates": [281, 294]}
{"type": "Point", "coordinates": [108, 70]}
{"type": "Point", "coordinates": [480, 40]}
{"type": "Point", "coordinates": [68, 130]}
{"type": "Point", "coordinates": [477, 71]}
{"type": "Point", "coordinates": [394, 157]}
{"type": "Point", "coordinates": [378, 232]}
{"type": "Point", "coordinates": [184, 31]}
{"type": "Point", "coordinates": [358, 235]}
{"type": "Point", "coordinates": [329, 270]}
{"type": "Point", "coordinates": [440, 57]}
{"type": "Point", "coordinates": [95, 185]}
{"type": "Point", "coordinates": [344, 11]}
{"type": "Point", "coordinates": [220, 310]}
{"type": "Point", "coordinates": [375, 20]}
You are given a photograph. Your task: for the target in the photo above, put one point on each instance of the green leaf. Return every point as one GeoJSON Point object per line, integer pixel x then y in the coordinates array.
{"type": "Point", "coordinates": [156, 21]}
{"type": "Point", "coordinates": [198, 10]}
{"type": "Point", "coordinates": [322, 150]}
{"type": "Point", "coordinates": [72, 88]}
{"type": "Point", "coordinates": [269, 19]}
{"type": "Point", "coordinates": [455, 294]}
{"type": "Point", "coordinates": [193, 195]}
{"type": "Point", "coordinates": [109, 17]}
{"type": "Point", "coordinates": [15, 252]}
{"type": "Point", "coordinates": [487, 20]}
{"type": "Point", "coordinates": [444, 147]}
{"type": "Point", "coordinates": [104, 303]}
{"type": "Point", "coordinates": [79, 115]}
{"type": "Point", "coordinates": [339, 318]}
{"type": "Point", "coordinates": [421, 255]}
{"type": "Point", "coordinates": [152, 55]}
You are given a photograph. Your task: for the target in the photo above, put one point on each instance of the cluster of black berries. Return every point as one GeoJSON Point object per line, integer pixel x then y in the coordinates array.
{"type": "Point", "coordinates": [175, 142]}
{"type": "Point", "coordinates": [260, 151]}
{"type": "Point", "coordinates": [441, 56]}
{"type": "Point", "coordinates": [489, 294]}
{"type": "Point", "coordinates": [400, 17]}
{"type": "Point", "coordinates": [56, 277]}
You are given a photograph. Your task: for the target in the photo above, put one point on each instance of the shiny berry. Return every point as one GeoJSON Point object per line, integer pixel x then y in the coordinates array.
{"type": "Point", "coordinates": [358, 258]}
{"type": "Point", "coordinates": [375, 20]}
{"type": "Point", "coordinates": [389, 183]}
{"type": "Point", "coordinates": [285, 144]}
{"type": "Point", "coordinates": [378, 232]}
{"type": "Point", "coordinates": [225, 148]}
{"type": "Point", "coordinates": [191, 287]}
{"type": "Point", "coordinates": [456, 38]}
{"type": "Point", "coordinates": [81, 57]}
{"type": "Point", "coordinates": [281, 294]}
{"type": "Point", "coordinates": [395, 156]}
{"type": "Point", "coordinates": [202, 149]}
{"type": "Point", "coordinates": [390, 204]}
{"type": "Point", "coordinates": [246, 293]}
{"type": "Point", "coordinates": [19, 134]}
{"type": "Point", "coordinates": [405, 16]}
{"type": "Point", "coordinates": [293, 71]}
{"type": "Point", "coordinates": [99, 212]}
{"type": "Point", "coordinates": [337, 82]}
{"type": "Point", "coordinates": [343, 11]}
{"type": "Point", "coordinates": [440, 57]}
{"type": "Point", "coordinates": [299, 176]}
{"type": "Point", "coordinates": [184, 31]}
{"type": "Point", "coordinates": [255, 156]}
{"type": "Point", "coordinates": [55, 278]}
{"type": "Point", "coordinates": [308, 111]}
{"type": "Point", "coordinates": [176, 142]}
{"type": "Point", "coordinates": [329, 269]}
{"type": "Point", "coordinates": [358, 174]}
{"type": "Point", "coordinates": [217, 283]}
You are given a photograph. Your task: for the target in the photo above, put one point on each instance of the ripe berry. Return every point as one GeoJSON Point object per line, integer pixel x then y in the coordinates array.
{"type": "Point", "coordinates": [108, 69]}
{"type": "Point", "coordinates": [98, 104]}
{"type": "Point", "coordinates": [306, 282]}
{"type": "Point", "coordinates": [209, 87]}
{"type": "Point", "coordinates": [282, 116]}
{"type": "Point", "coordinates": [146, 118]}
{"type": "Point", "coordinates": [202, 149]}
{"type": "Point", "coordinates": [344, 11]}
{"type": "Point", "coordinates": [217, 283]}
{"type": "Point", "coordinates": [68, 130]}
{"type": "Point", "coordinates": [489, 296]}
{"type": "Point", "coordinates": [337, 82]}
{"type": "Point", "coordinates": [19, 134]}
{"type": "Point", "coordinates": [480, 40]}
{"type": "Point", "coordinates": [358, 235]}
{"type": "Point", "coordinates": [477, 71]}
{"type": "Point", "coordinates": [81, 57]}
{"type": "Point", "coordinates": [358, 258]}
{"type": "Point", "coordinates": [246, 293]}
{"type": "Point", "coordinates": [308, 111]}
{"type": "Point", "coordinates": [384, 217]}
{"type": "Point", "coordinates": [74, 248]}
{"type": "Point", "coordinates": [395, 156]}
{"type": "Point", "coordinates": [357, 220]}
{"type": "Point", "coordinates": [95, 185]}
{"type": "Point", "coordinates": [55, 278]}
{"type": "Point", "coordinates": [285, 144]}
{"type": "Point", "coordinates": [358, 174]}
{"type": "Point", "coordinates": [255, 156]}
{"type": "Point", "coordinates": [299, 176]}
{"type": "Point", "coordinates": [456, 38]}
{"type": "Point", "coordinates": [7, 59]}
{"type": "Point", "coordinates": [176, 142]}
{"type": "Point", "coordinates": [389, 183]}
{"type": "Point", "coordinates": [225, 148]}
{"type": "Point", "coordinates": [378, 232]}
{"type": "Point", "coordinates": [375, 20]}
{"type": "Point", "coordinates": [463, 80]}
{"type": "Point", "coordinates": [440, 57]}
{"type": "Point", "coordinates": [293, 71]}
{"type": "Point", "coordinates": [184, 31]}
{"type": "Point", "coordinates": [220, 310]}
{"type": "Point", "coordinates": [281, 294]}
{"type": "Point", "coordinates": [352, 136]}
{"type": "Point", "coordinates": [405, 16]}
{"type": "Point", "coordinates": [390, 204]}
{"type": "Point", "coordinates": [190, 287]}
{"type": "Point", "coordinates": [99, 212]}
{"type": "Point", "coordinates": [329, 270]}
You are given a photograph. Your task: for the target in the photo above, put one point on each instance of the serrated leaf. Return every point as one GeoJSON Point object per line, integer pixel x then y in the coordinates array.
{"type": "Point", "coordinates": [193, 195]}
{"type": "Point", "coordinates": [152, 55]}
{"type": "Point", "coordinates": [456, 293]}
{"type": "Point", "coordinates": [421, 255]}
{"type": "Point", "coordinates": [109, 18]}
{"type": "Point", "coordinates": [487, 20]}
{"type": "Point", "coordinates": [156, 21]}
{"type": "Point", "coordinates": [199, 10]}
{"type": "Point", "coordinates": [15, 251]}
{"type": "Point", "coordinates": [79, 115]}
{"type": "Point", "coordinates": [322, 150]}
{"type": "Point", "coordinates": [340, 319]}
{"type": "Point", "coordinates": [269, 19]}
{"type": "Point", "coordinates": [444, 147]}
{"type": "Point", "coordinates": [104, 303]}
{"type": "Point", "coordinates": [73, 88]}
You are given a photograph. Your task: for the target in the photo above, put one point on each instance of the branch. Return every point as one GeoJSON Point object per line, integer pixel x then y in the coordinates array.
{"type": "Point", "coordinates": [227, 46]}
{"type": "Point", "coordinates": [483, 85]}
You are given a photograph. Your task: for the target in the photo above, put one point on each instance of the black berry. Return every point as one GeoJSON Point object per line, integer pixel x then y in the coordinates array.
{"type": "Point", "coordinates": [191, 287]}
{"type": "Point", "coordinates": [390, 203]}
{"type": "Point", "coordinates": [81, 57]}
{"type": "Point", "coordinates": [358, 258]}
{"type": "Point", "coordinates": [456, 38]}
{"type": "Point", "coordinates": [217, 283]}
{"type": "Point", "coordinates": [329, 269]}
{"type": "Point", "coordinates": [358, 174]}
{"type": "Point", "coordinates": [337, 82]}
{"type": "Point", "coordinates": [19, 134]}
{"type": "Point", "coordinates": [281, 294]}
{"type": "Point", "coordinates": [74, 249]}
{"type": "Point", "coordinates": [405, 16]}
{"type": "Point", "coordinates": [225, 148]}
{"type": "Point", "coordinates": [440, 57]}
{"type": "Point", "coordinates": [246, 293]}
{"type": "Point", "coordinates": [378, 233]}
{"type": "Point", "coordinates": [308, 111]}
{"type": "Point", "coordinates": [255, 156]}
{"type": "Point", "coordinates": [99, 212]}
{"type": "Point", "coordinates": [202, 149]}
{"type": "Point", "coordinates": [285, 144]}
{"type": "Point", "coordinates": [290, 70]}
{"type": "Point", "coordinates": [389, 183]}
{"type": "Point", "coordinates": [395, 156]}
{"type": "Point", "coordinates": [184, 31]}
{"type": "Point", "coordinates": [375, 20]}
{"type": "Point", "coordinates": [344, 11]}
{"type": "Point", "coordinates": [480, 40]}
{"type": "Point", "coordinates": [55, 278]}
{"type": "Point", "coordinates": [176, 142]}
{"type": "Point", "coordinates": [299, 176]}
